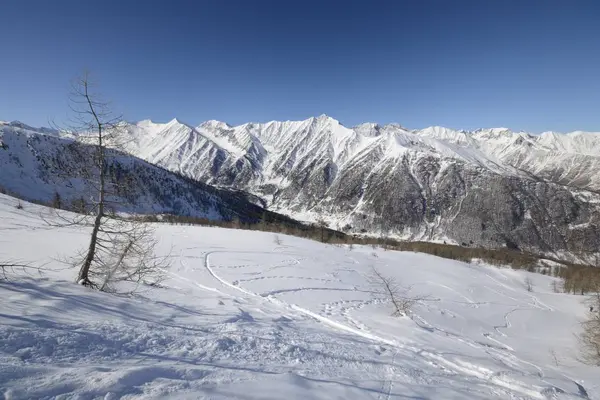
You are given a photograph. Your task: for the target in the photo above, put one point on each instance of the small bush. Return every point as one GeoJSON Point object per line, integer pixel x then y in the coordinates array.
{"type": "Point", "coordinates": [589, 339]}
{"type": "Point", "coordinates": [528, 284]}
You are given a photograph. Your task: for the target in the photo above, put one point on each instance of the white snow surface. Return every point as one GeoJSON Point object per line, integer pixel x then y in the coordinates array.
{"type": "Point", "coordinates": [241, 317]}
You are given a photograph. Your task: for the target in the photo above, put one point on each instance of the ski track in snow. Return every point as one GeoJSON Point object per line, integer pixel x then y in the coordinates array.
{"type": "Point", "coordinates": [272, 299]}
{"type": "Point", "coordinates": [362, 331]}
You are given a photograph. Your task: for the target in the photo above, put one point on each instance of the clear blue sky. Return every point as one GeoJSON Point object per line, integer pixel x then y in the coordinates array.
{"type": "Point", "coordinates": [531, 65]}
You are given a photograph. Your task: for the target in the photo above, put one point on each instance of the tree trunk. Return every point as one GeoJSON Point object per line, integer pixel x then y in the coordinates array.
{"type": "Point", "coordinates": [83, 277]}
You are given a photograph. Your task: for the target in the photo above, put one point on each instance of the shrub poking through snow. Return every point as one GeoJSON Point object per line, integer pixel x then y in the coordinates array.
{"type": "Point", "coordinates": [389, 289]}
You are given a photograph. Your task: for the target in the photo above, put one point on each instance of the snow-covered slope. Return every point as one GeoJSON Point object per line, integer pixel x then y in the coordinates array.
{"type": "Point", "coordinates": [38, 164]}
{"type": "Point", "coordinates": [490, 187]}
{"type": "Point", "coordinates": [242, 317]}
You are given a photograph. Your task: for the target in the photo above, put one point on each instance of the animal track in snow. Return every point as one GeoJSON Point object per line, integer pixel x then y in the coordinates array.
{"type": "Point", "coordinates": [286, 277]}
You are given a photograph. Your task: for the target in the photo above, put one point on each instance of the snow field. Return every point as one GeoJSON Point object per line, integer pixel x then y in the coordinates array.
{"type": "Point", "coordinates": [242, 317]}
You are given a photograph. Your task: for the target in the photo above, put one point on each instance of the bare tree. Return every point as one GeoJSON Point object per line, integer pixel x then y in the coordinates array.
{"type": "Point", "coordinates": [384, 237]}
{"type": "Point", "coordinates": [120, 248]}
{"type": "Point", "coordinates": [554, 357]}
{"type": "Point", "coordinates": [556, 286]}
{"type": "Point", "coordinates": [390, 289]}
{"type": "Point", "coordinates": [528, 284]}
{"type": "Point", "coordinates": [277, 240]}
{"type": "Point", "coordinates": [236, 223]}
{"type": "Point", "coordinates": [56, 200]}
{"type": "Point", "coordinates": [322, 225]}
{"type": "Point", "coordinates": [589, 338]}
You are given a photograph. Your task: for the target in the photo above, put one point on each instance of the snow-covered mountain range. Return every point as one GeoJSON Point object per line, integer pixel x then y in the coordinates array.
{"type": "Point", "coordinates": [272, 149]}
{"type": "Point", "coordinates": [40, 165]}
{"type": "Point", "coordinates": [489, 187]}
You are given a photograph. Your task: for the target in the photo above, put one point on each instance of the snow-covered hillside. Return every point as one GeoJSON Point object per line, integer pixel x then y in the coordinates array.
{"type": "Point", "coordinates": [244, 317]}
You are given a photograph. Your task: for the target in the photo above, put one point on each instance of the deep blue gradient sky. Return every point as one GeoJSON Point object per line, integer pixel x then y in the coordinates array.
{"type": "Point", "coordinates": [527, 65]}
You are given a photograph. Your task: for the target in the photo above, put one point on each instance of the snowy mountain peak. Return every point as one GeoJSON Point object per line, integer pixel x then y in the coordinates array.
{"type": "Point", "coordinates": [19, 124]}
{"type": "Point", "coordinates": [215, 124]}
{"type": "Point", "coordinates": [23, 126]}
{"type": "Point", "coordinates": [368, 129]}
{"type": "Point", "coordinates": [366, 125]}
{"type": "Point", "coordinates": [324, 119]}
{"type": "Point", "coordinates": [445, 134]}
{"type": "Point", "coordinates": [176, 122]}
{"type": "Point", "coordinates": [394, 125]}
{"type": "Point", "coordinates": [145, 122]}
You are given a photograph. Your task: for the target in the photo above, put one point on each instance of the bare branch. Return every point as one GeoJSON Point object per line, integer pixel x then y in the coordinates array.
{"type": "Point", "coordinates": [11, 266]}
{"type": "Point", "coordinates": [389, 289]}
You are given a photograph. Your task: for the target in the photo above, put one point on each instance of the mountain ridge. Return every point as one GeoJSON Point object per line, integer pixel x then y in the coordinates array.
{"type": "Point", "coordinates": [484, 145]}
{"type": "Point", "coordinates": [326, 116]}
{"type": "Point", "coordinates": [371, 123]}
